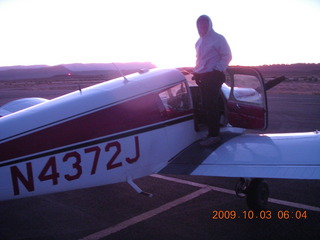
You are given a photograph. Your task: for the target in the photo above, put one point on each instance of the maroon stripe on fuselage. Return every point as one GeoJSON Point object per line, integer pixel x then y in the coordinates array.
{"type": "Point", "coordinates": [132, 114]}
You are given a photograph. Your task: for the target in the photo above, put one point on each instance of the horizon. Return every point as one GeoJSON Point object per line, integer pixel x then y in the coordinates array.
{"type": "Point", "coordinates": [164, 33]}
{"type": "Point", "coordinates": [47, 65]}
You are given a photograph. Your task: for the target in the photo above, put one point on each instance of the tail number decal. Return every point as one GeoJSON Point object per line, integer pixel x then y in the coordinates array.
{"type": "Point", "coordinates": [25, 176]}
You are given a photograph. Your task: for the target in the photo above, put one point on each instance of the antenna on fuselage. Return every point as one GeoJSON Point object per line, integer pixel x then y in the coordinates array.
{"type": "Point", "coordinates": [80, 88]}
{"type": "Point", "coordinates": [125, 79]}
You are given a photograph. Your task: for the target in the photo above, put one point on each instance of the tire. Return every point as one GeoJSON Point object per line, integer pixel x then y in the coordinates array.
{"type": "Point", "coordinates": [258, 193]}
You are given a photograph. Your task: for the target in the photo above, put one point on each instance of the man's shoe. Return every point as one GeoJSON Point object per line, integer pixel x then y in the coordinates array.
{"type": "Point", "coordinates": [209, 142]}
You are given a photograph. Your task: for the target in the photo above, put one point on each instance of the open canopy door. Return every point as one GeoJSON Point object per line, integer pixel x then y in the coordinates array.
{"type": "Point", "coordinates": [247, 101]}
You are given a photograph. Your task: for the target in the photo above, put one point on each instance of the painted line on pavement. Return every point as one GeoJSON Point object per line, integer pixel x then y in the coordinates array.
{"type": "Point", "coordinates": [293, 204]}
{"type": "Point", "coordinates": [272, 200]}
{"type": "Point", "coordinates": [203, 189]}
{"type": "Point", "coordinates": [195, 184]}
{"type": "Point", "coordinates": [144, 216]}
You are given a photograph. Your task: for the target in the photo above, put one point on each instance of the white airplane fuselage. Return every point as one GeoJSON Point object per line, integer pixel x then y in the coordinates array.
{"type": "Point", "coordinates": [108, 133]}
{"type": "Point", "coordinates": [125, 129]}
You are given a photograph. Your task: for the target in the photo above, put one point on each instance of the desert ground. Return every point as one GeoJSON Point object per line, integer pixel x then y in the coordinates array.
{"type": "Point", "coordinates": [50, 88]}
{"type": "Point", "coordinates": [298, 86]}
{"type": "Point", "coordinates": [45, 88]}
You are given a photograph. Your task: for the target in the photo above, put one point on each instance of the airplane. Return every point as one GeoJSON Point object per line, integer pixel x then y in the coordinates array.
{"type": "Point", "coordinates": [145, 123]}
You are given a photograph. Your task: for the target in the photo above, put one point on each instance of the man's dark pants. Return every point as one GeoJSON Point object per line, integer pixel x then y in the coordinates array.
{"type": "Point", "coordinates": [210, 85]}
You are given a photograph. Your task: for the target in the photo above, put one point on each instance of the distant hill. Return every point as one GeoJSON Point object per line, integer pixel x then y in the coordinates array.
{"type": "Point", "coordinates": [299, 69]}
{"type": "Point", "coordinates": [288, 70]}
{"type": "Point", "coordinates": [109, 71]}
{"type": "Point", "coordinates": [26, 73]}
{"type": "Point", "coordinates": [79, 69]}
{"type": "Point", "coordinates": [22, 67]}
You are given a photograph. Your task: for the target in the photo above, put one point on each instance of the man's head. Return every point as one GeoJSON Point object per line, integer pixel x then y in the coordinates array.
{"type": "Point", "coordinates": [203, 25]}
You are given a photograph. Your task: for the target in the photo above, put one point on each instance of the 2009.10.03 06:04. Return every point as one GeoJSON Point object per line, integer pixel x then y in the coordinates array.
{"type": "Point", "coordinates": [267, 214]}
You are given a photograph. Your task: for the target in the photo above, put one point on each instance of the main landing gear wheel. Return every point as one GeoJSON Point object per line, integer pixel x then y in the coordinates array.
{"type": "Point", "coordinates": [256, 191]}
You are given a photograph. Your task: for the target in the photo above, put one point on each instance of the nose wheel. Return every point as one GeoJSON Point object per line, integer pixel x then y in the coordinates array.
{"type": "Point", "coordinates": [256, 190]}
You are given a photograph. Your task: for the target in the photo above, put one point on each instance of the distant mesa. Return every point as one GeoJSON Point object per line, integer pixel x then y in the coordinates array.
{"type": "Point", "coordinates": [107, 71]}
{"type": "Point", "coordinates": [78, 69]}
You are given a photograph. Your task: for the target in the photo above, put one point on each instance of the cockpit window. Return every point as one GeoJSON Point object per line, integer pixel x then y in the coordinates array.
{"type": "Point", "coordinates": [247, 88]}
{"type": "Point", "coordinates": [176, 99]}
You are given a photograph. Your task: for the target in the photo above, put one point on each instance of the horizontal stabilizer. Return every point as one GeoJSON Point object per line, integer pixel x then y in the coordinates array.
{"type": "Point", "coordinates": [270, 84]}
{"type": "Point", "coordinates": [20, 104]}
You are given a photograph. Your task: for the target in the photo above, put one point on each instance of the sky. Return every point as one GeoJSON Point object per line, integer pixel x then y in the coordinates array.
{"type": "Point", "coordinates": [163, 32]}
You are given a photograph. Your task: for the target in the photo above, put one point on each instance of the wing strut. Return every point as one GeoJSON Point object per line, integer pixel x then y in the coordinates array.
{"type": "Point", "coordinates": [137, 189]}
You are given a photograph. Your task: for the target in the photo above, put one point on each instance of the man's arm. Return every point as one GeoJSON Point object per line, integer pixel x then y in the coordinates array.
{"type": "Point", "coordinates": [225, 54]}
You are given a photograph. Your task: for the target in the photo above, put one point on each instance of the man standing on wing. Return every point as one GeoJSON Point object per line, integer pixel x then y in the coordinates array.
{"type": "Point", "coordinates": [213, 57]}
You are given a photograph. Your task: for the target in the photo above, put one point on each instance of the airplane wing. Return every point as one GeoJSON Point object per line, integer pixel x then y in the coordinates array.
{"type": "Point", "coordinates": [291, 156]}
